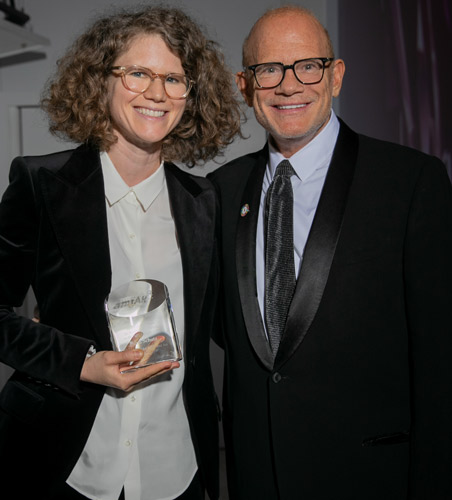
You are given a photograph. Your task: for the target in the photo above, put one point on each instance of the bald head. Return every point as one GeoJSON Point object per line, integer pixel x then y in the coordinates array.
{"type": "Point", "coordinates": [266, 23]}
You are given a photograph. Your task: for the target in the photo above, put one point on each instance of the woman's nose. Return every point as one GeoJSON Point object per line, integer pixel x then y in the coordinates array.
{"type": "Point", "coordinates": [156, 90]}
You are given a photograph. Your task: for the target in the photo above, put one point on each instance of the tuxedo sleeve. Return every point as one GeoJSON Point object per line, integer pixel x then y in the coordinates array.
{"type": "Point", "coordinates": [428, 297]}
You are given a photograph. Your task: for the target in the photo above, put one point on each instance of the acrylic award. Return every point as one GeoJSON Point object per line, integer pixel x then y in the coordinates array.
{"type": "Point", "coordinates": [140, 316]}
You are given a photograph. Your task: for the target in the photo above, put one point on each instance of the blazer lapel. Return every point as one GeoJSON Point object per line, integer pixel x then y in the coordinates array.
{"type": "Point", "coordinates": [321, 244]}
{"type": "Point", "coordinates": [246, 261]}
{"type": "Point", "coordinates": [75, 200]}
{"type": "Point", "coordinates": [194, 211]}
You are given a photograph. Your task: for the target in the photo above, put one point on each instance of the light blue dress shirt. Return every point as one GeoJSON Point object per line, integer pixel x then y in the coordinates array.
{"type": "Point", "coordinates": [311, 166]}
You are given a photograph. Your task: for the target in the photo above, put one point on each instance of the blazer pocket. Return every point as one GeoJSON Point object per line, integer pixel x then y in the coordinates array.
{"type": "Point", "coordinates": [395, 438]}
{"type": "Point", "coordinates": [20, 401]}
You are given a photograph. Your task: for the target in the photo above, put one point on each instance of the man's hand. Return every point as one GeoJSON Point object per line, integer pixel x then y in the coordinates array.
{"type": "Point", "coordinates": [105, 368]}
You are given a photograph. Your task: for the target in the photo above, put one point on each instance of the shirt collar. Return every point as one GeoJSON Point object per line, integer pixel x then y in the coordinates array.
{"type": "Point", "coordinates": [315, 155]}
{"type": "Point", "coordinates": [116, 189]}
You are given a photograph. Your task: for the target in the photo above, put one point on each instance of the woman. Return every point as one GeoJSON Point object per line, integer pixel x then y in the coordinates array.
{"type": "Point", "coordinates": [137, 90]}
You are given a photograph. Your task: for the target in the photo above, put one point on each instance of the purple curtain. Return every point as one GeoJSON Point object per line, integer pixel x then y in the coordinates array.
{"type": "Point", "coordinates": [398, 83]}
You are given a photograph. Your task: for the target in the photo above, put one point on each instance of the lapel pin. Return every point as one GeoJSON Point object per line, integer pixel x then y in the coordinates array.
{"type": "Point", "coordinates": [244, 210]}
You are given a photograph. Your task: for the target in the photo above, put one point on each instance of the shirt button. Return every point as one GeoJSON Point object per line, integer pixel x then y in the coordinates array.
{"type": "Point", "coordinates": [276, 377]}
{"type": "Point", "coordinates": [127, 442]}
{"type": "Point", "coordinates": [137, 276]}
{"type": "Point", "coordinates": [133, 398]}
{"type": "Point", "coordinates": [131, 236]}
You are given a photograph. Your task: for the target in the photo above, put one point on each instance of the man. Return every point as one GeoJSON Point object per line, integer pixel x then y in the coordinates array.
{"type": "Point", "coordinates": [352, 399]}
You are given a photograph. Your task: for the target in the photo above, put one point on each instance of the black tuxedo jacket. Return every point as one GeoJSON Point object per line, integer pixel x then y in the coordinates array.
{"type": "Point", "coordinates": [53, 235]}
{"type": "Point", "coordinates": [357, 404]}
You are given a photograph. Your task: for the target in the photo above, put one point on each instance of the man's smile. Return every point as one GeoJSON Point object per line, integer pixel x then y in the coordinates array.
{"type": "Point", "coordinates": [290, 106]}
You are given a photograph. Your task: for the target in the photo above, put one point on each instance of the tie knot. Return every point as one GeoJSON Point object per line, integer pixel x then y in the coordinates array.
{"type": "Point", "coordinates": [284, 169]}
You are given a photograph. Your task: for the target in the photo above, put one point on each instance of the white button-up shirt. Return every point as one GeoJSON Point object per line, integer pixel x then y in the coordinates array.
{"type": "Point", "coordinates": [140, 440]}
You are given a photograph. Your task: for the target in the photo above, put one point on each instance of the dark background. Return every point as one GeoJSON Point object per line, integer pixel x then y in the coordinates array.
{"type": "Point", "coordinates": [398, 79]}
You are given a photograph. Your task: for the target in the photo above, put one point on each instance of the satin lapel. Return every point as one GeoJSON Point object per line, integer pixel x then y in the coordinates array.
{"type": "Point", "coordinates": [75, 200]}
{"type": "Point", "coordinates": [194, 216]}
{"type": "Point", "coordinates": [321, 244]}
{"type": "Point", "coordinates": [246, 261]}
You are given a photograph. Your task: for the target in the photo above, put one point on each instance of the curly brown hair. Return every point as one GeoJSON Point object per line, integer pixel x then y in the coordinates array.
{"type": "Point", "coordinates": [76, 98]}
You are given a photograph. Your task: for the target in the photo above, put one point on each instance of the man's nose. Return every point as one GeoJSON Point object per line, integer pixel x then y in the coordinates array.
{"type": "Point", "coordinates": [290, 83]}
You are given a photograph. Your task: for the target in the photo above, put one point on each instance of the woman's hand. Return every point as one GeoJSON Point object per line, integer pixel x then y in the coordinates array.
{"type": "Point", "coordinates": [105, 368]}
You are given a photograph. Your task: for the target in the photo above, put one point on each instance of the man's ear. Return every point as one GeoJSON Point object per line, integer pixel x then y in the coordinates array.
{"type": "Point", "coordinates": [245, 87]}
{"type": "Point", "coordinates": [338, 75]}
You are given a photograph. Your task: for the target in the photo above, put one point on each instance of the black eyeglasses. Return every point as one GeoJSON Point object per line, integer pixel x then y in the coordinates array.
{"type": "Point", "coordinates": [138, 79]}
{"type": "Point", "coordinates": [307, 71]}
